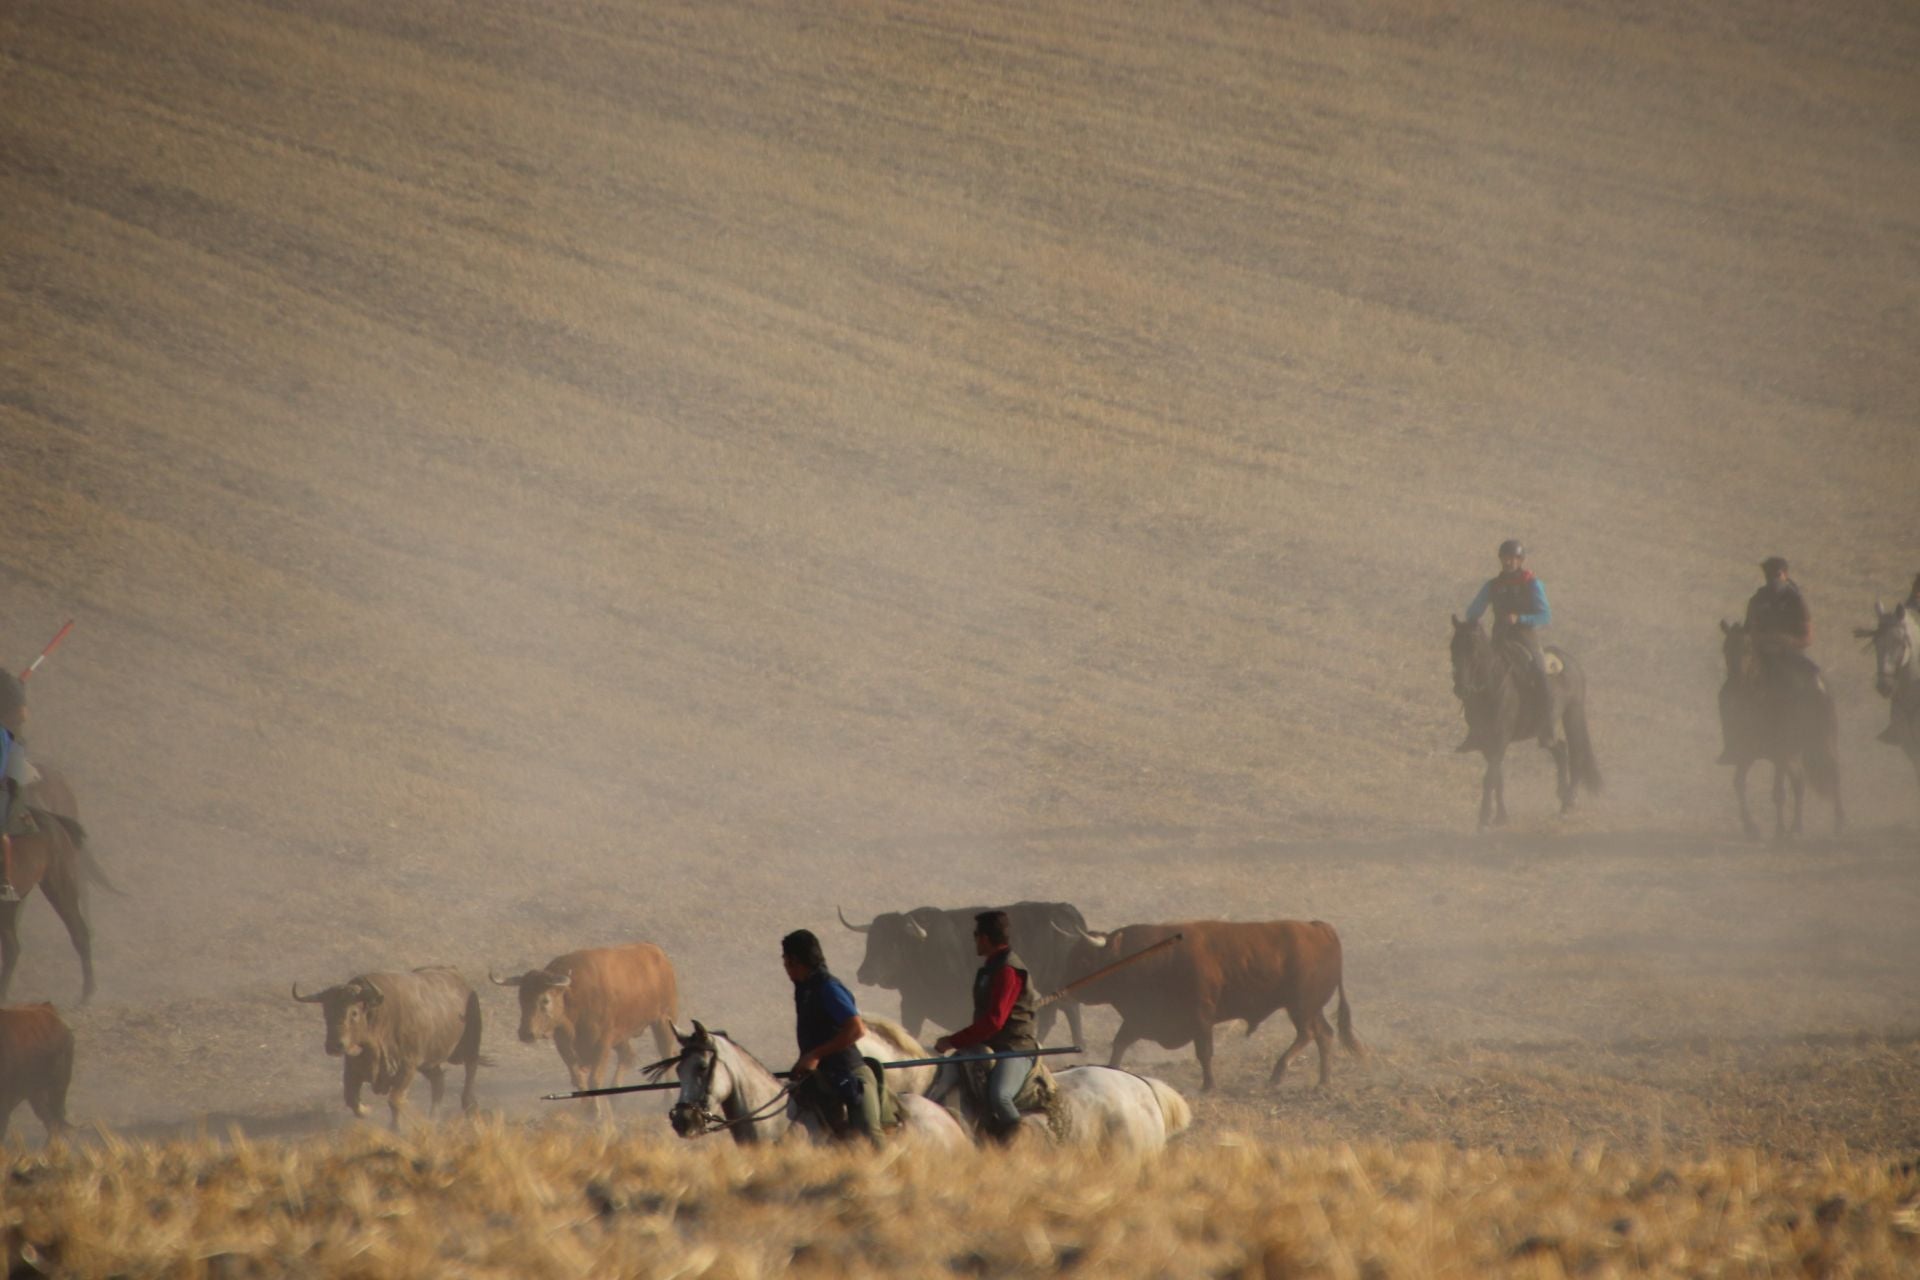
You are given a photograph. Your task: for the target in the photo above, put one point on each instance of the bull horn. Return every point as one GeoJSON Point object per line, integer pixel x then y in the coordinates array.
{"type": "Point", "coordinates": [564, 980]}
{"type": "Point", "coordinates": [498, 981]}
{"type": "Point", "coordinates": [1076, 933]}
{"type": "Point", "coordinates": [857, 928]}
{"type": "Point", "coordinates": [1879, 610]}
{"type": "Point", "coordinates": [316, 998]}
{"type": "Point", "coordinates": [919, 930]}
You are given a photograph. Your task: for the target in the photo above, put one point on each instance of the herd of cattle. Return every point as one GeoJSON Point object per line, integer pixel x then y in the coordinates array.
{"type": "Point", "coordinates": [390, 1027]}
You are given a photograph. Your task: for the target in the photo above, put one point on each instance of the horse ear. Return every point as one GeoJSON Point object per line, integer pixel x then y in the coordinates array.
{"type": "Point", "coordinates": [1879, 610]}
{"type": "Point", "coordinates": [700, 1032]}
{"type": "Point", "coordinates": [1456, 619]}
{"type": "Point", "coordinates": [1726, 627]}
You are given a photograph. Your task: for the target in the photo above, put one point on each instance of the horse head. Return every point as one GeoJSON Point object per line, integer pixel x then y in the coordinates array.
{"type": "Point", "coordinates": [1470, 650]}
{"type": "Point", "coordinates": [704, 1084]}
{"type": "Point", "coordinates": [1736, 648]}
{"type": "Point", "coordinates": [1895, 639]}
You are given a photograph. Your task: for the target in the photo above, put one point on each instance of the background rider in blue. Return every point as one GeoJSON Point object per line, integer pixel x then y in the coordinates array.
{"type": "Point", "coordinates": [829, 1075]}
{"type": "Point", "coordinates": [1519, 604]}
{"type": "Point", "coordinates": [1003, 1020]}
{"type": "Point", "coordinates": [13, 766]}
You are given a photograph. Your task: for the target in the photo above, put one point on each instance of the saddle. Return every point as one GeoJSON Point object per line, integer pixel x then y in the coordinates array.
{"type": "Point", "coordinates": [1040, 1095]}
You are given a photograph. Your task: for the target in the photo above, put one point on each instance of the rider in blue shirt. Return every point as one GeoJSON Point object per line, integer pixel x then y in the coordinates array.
{"type": "Point", "coordinates": [1519, 604]}
{"type": "Point", "coordinates": [829, 1075]}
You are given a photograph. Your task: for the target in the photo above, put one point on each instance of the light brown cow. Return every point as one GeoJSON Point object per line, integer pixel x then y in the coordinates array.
{"type": "Point", "coordinates": [36, 1063]}
{"type": "Point", "coordinates": [1220, 972]}
{"type": "Point", "coordinates": [594, 1002]}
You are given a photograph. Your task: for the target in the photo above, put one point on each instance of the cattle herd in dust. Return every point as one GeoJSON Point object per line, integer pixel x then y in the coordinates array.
{"type": "Point", "coordinates": [1170, 983]}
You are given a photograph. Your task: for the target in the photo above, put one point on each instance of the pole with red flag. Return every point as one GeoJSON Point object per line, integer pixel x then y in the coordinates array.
{"type": "Point", "coordinates": [52, 644]}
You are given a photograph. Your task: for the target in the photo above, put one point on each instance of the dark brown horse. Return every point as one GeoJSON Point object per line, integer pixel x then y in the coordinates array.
{"type": "Point", "coordinates": [1500, 710]}
{"type": "Point", "coordinates": [1779, 710]}
{"type": "Point", "coordinates": [55, 860]}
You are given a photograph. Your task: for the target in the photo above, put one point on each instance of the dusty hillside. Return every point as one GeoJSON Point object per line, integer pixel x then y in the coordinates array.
{"type": "Point", "coordinates": [531, 476]}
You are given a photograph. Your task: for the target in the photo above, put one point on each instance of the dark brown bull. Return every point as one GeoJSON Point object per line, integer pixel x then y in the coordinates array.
{"type": "Point", "coordinates": [1221, 972]}
{"type": "Point", "coordinates": [389, 1025]}
{"type": "Point", "coordinates": [36, 1062]}
{"type": "Point", "coordinates": [592, 1003]}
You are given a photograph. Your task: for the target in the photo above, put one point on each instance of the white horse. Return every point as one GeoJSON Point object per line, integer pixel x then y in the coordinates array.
{"type": "Point", "coordinates": [1106, 1107]}
{"type": "Point", "coordinates": [1896, 649]}
{"type": "Point", "coordinates": [721, 1084]}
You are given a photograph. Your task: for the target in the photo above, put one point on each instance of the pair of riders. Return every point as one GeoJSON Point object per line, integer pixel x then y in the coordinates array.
{"type": "Point", "coordinates": [833, 1079]}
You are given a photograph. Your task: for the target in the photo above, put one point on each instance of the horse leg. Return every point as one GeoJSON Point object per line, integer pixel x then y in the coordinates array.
{"type": "Point", "coordinates": [9, 944]}
{"type": "Point", "coordinates": [62, 887]}
{"type": "Point", "coordinates": [1499, 767]}
{"type": "Point", "coordinates": [1797, 776]}
{"type": "Point", "coordinates": [1563, 773]}
{"type": "Point", "coordinates": [1779, 801]}
{"type": "Point", "coordinates": [1839, 809]}
{"type": "Point", "coordinates": [1747, 823]}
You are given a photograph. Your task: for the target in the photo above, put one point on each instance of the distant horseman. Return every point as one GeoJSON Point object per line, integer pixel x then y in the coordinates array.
{"type": "Point", "coordinates": [1518, 601]}
{"type": "Point", "coordinates": [1780, 628]}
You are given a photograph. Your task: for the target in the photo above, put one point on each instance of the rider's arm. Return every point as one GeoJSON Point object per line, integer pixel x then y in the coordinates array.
{"type": "Point", "coordinates": [1537, 614]}
{"type": "Point", "coordinates": [845, 1038]}
{"type": "Point", "coordinates": [1479, 605]}
{"type": "Point", "coordinates": [1001, 994]}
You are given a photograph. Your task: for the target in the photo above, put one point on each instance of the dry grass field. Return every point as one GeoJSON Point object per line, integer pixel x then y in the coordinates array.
{"type": "Point", "coordinates": [530, 477]}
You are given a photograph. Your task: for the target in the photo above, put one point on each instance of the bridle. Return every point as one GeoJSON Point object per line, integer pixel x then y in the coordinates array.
{"type": "Point", "coordinates": [1480, 675]}
{"type": "Point", "coordinates": [698, 1119]}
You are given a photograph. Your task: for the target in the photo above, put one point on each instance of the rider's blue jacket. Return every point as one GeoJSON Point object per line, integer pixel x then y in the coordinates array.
{"type": "Point", "coordinates": [1522, 593]}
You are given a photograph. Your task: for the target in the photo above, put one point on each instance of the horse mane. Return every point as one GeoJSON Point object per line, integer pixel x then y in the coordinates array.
{"type": "Point", "coordinates": [895, 1036]}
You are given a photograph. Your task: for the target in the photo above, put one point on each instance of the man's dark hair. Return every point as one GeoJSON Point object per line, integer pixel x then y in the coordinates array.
{"type": "Point", "coordinates": [1772, 563]}
{"type": "Point", "coordinates": [993, 926]}
{"type": "Point", "coordinates": [802, 946]}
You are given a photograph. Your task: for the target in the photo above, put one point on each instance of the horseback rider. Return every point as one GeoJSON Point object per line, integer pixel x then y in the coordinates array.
{"type": "Point", "coordinates": [13, 770]}
{"type": "Point", "coordinates": [829, 1076]}
{"type": "Point", "coordinates": [1519, 604]}
{"type": "Point", "coordinates": [1004, 1019]}
{"type": "Point", "coordinates": [1780, 629]}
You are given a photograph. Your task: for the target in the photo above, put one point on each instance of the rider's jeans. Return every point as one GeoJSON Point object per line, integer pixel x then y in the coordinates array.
{"type": "Point", "coordinates": [1004, 1081]}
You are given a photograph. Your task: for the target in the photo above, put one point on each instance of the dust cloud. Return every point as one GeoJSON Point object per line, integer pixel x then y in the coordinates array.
{"type": "Point", "coordinates": [537, 481]}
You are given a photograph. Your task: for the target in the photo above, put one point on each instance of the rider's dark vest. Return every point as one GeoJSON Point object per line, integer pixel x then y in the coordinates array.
{"type": "Point", "coordinates": [1778, 611]}
{"type": "Point", "coordinates": [1513, 595]}
{"type": "Point", "coordinates": [1018, 1030]}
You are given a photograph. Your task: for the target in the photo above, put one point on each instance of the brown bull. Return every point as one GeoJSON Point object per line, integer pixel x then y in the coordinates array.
{"type": "Point", "coordinates": [1221, 972]}
{"type": "Point", "coordinates": [592, 1003]}
{"type": "Point", "coordinates": [390, 1025]}
{"type": "Point", "coordinates": [36, 1063]}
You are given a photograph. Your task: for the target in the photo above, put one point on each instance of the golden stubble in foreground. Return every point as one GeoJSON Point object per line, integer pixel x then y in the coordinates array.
{"type": "Point", "coordinates": [562, 1199]}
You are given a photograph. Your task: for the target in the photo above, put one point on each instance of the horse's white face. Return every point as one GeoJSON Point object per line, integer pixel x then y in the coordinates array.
{"type": "Point", "coordinates": [705, 1086]}
{"type": "Point", "coordinates": [1895, 642]}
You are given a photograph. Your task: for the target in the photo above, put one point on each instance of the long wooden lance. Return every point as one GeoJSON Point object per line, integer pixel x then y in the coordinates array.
{"type": "Point", "coordinates": [788, 1075]}
{"type": "Point", "coordinates": [52, 644]}
{"type": "Point", "coordinates": [1121, 963]}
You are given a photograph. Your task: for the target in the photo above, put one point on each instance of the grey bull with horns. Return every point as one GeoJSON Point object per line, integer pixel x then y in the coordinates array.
{"type": "Point", "coordinates": [388, 1026]}
{"type": "Point", "coordinates": [927, 955]}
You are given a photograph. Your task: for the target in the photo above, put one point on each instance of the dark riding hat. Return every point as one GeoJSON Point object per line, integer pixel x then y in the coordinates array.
{"type": "Point", "coordinates": [1772, 563]}
{"type": "Point", "coordinates": [802, 946]}
{"type": "Point", "coordinates": [1512, 547]}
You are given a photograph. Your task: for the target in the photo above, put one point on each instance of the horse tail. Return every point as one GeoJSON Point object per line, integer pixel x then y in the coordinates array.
{"type": "Point", "coordinates": [1175, 1114]}
{"type": "Point", "coordinates": [1580, 759]}
{"type": "Point", "coordinates": [1823, 749]}
{"type": "Point", "coordinates": [91, 869]}
{"type": "Point", "coordinates": [1344, 1018]}
{"type": "Point", "coordinates": [75, 832]}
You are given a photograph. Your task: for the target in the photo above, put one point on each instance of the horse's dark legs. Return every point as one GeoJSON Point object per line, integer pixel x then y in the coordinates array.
{"type": "Point", "coordinates": [9, 944]}
{"type": "Point", "coordinates": [63, 891]}
{"type": "Point", "coordinates": [1839, 809]}
{"type": "Point", "coordinates": [1779, 801]}
{"type": "Point", "coordinates": [1493, 791]}
{"type": "Point", "coordinates": [1563, 773]}
{"type": "Point", "coordinates": [1747, 823]}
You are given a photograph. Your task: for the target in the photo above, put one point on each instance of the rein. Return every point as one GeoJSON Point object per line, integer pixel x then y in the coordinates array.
{"type": "Point", "coordinates": [709, 1122]}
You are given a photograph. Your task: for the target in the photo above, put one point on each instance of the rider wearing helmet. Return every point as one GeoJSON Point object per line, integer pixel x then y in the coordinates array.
{"type": "Point", "coordinates": [1519, 604]}
{"type": "Point", "coordinates": [13, 770]}
{"type": "Point", "coordinates": [1780, 628]}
